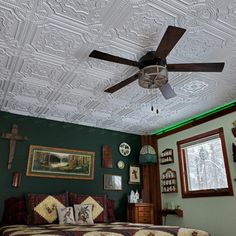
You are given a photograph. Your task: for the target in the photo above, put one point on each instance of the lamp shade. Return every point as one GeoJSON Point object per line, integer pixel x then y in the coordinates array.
{"type": "Point", "coordinates": [147, 155]}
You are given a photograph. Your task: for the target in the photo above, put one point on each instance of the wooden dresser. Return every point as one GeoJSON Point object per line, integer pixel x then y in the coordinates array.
{"type": "Point", "coordinates": [140, 213]}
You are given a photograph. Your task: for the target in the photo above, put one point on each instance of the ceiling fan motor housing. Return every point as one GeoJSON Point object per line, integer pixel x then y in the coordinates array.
{"type": "Point", "coordinates": [150, 59]}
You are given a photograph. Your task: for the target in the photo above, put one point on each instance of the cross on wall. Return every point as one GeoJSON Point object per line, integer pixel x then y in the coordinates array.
{"type": "Point", "coordinates": [13, 137]}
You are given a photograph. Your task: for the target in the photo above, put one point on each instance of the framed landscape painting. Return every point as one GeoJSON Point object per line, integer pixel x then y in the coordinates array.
{"type": "Point", "coordinates": [60, 163]}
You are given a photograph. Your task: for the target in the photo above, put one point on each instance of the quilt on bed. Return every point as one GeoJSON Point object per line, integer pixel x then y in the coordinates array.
{"type": "Point", "coordinates": [113, 229]}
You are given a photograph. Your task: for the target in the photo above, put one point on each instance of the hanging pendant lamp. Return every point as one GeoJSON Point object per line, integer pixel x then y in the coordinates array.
{"type": "Point", "coordinates": [147, 155]}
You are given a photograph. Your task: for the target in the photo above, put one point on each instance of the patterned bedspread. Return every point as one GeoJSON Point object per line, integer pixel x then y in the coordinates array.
{"type": "Point", "coordinates": [113, 229]}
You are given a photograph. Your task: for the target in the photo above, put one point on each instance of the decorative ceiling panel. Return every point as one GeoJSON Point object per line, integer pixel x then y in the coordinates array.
{"type": "Point", "coordinates": [84, 12]}
{"type": "Point", "coordinates": [45, 69]}
{"type": "Point", "coordinates": [145, 25]}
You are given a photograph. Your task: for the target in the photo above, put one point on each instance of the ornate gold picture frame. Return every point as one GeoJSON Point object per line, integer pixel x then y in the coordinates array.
{"type": "Point", "coordinates": [60, 163]}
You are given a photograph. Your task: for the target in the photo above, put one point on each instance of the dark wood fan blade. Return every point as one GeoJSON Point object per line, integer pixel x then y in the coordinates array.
{"type": "Point", "coordinates": [198, 67]}
{"type": "Point", "coordinates": [123, 83]}
{"type": "Point", "coordinates": [168, 41]}
{"type": "Point", "coordinates": [167, 91]}
{"type": "Point", "coordinates": [108, 57]}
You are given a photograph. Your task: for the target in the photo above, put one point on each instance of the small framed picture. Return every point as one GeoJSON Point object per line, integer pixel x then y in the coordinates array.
{"type": "Point", "coordinates": [112, 182]}
{"type": "Point", "coordinates": [134, 174]}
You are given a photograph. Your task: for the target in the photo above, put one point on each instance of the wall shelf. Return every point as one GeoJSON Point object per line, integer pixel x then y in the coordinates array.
{"type": "Point", "coordinates": [177, 212]}
{"type": "Point", "coordinates": [167, 156]}
{"type": "Point", "coordinates": [169, 181]}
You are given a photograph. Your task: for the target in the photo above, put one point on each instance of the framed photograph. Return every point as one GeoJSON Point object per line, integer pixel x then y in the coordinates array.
{"type": "Point", "coordinates": [134, 175]}
{"type": "Point", "coordinates": [60, 163]}
{"type": "Point", "coordinates": [112, 182]}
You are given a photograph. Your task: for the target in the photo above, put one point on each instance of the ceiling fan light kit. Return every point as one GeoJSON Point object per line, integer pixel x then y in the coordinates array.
{"type": "Point", "coordinates": [154, 76]}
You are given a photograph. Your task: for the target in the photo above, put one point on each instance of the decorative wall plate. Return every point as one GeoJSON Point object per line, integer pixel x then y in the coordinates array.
{"type": "Point", "coordinates": [120, 164]}
{"type": "Point", "coordinates": [124, 149]}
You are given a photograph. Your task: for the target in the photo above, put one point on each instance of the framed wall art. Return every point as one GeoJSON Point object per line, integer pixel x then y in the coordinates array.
{"type": "Point", "coordinates": [120, 164]}
{"type": "Point", "coordinates": [112, 182]}
{"type": "Point", "coordinates": [106, 156]}
{"type": "Point", "coordinates": [134, 174]}
{"type": "Point", "coordinates": [60, 163]}
{"type": "Point", "coordinates": [124, 149]}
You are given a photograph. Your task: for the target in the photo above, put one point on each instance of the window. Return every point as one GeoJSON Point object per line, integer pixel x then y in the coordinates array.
{"type": "Point", "coordinates": [204, 168]}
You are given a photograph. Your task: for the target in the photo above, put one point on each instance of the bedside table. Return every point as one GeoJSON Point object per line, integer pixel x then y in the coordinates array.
{"type": "Point", "coordinates": [140, 213]}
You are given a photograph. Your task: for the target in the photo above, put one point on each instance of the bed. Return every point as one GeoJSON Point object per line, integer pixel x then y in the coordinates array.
{"type": "Point", "coordinates": [39, 214]}
{"type": "Point", "coordinates": [99, 229]}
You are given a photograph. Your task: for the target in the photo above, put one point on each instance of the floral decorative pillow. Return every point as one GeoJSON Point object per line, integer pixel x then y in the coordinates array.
{"type": "Point", "coordinates": [99, 205]}
{"type": "Point", "coordinates": [65, 215]}
{"type": "Point", "coordinates": [83, 214]}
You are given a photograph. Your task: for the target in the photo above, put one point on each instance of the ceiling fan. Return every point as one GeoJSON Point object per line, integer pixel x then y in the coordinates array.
{"type": "Point", "coordinates": [153, 67]}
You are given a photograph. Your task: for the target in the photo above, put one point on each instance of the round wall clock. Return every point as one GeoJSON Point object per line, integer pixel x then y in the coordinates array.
{"type": "Point", "coordinates": [120, 164]}
{"type": "Point", "coordinates": [124, 149]}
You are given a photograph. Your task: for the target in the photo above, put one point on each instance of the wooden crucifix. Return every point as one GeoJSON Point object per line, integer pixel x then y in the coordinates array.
{"type": "Point", "coordinates": [135, 172]}
{"type": "Point", "coordinates": [13, 137]}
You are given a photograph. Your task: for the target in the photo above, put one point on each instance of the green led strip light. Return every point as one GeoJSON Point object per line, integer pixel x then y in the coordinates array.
{"type": "Point", "coordinates": [194, 118]}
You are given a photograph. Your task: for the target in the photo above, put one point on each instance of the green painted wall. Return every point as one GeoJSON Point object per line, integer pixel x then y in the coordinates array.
{"type": "Point", "coordinates": [58, 134]}
{"type": "Point", "coordinates": [213, 214]}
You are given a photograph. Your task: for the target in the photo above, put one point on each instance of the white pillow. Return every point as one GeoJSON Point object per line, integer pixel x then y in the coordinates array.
{"type": "Point", "coordinates": [84, 213]}
{"type": "Point", "coordinates": [66, 215]}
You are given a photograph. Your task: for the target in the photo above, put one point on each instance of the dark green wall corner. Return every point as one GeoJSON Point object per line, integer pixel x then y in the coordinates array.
{"type": "Point", "coordinates": [59, 134]}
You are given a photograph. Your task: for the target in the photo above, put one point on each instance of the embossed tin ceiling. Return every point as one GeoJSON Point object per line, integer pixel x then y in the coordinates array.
{"type": "Point", "coordinates": [45, 70]}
